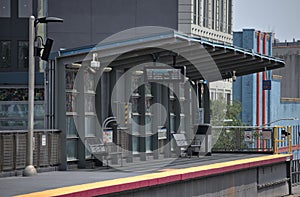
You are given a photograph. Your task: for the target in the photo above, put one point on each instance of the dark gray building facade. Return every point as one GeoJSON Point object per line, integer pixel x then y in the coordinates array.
{"type": "Point", "coordinates": [14, 22]}
{"type": "Point", "coordinates": [88, 22]}
{"type": "Point", "coordinates": [290, 75]}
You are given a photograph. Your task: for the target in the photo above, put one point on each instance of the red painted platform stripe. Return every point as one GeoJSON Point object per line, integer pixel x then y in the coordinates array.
{"type": "Point", "coordinates": [225, 169]}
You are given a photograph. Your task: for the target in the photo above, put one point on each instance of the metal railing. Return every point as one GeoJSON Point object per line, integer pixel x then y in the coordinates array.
{"type": "Point", "coordinates": [251, 139]}
{"type": "Point", "coordinates": [295, 172]}
{"type": "Point", "coordinates": [13, 146]}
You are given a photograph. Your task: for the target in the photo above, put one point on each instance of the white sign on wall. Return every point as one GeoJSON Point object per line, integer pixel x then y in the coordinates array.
{"type": "Point", "coordinates": [107, 136]}
{"type": "Point", "coordinates": [44, 140]}
{"type": "Point", "coordinates": [162, 133]}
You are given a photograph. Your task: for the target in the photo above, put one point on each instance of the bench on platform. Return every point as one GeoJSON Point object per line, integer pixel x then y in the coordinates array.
{"type": "Point", "coordinates": [105, 152]}
{"type": "Point", "coordinates": [186, 146]}
{"type": "Point", "coordinates": [99, 151]}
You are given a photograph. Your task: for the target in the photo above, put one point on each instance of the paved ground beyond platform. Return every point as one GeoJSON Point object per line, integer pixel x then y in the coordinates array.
{"type": "Point", "coordinates": [296, 191]}
{"type": "Point", "coordinates": [11, 186]}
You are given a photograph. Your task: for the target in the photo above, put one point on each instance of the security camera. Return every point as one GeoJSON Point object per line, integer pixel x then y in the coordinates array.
{"type": "Point", "coordinates": [94, 62]}
{"type": "Point", "coordinates": [233, 75]}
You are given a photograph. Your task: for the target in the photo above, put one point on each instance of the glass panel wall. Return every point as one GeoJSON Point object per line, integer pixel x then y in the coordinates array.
{"type": "Point", "coordinates": [25, 8]}
{"type": "Point", "coordinates": [5, 8]}
{"type": "Point", "coordinates": [23, 54]}
{"type": "Point", "coordinates": [5, 54]}
{"type": "Point", "coordinates": [14, 108]}
{"type": "Point", "coordinates": [71, 115]}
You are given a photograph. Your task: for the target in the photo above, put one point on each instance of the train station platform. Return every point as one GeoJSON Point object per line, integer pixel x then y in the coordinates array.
{"type": "Point", "coordinates": [214, 175]}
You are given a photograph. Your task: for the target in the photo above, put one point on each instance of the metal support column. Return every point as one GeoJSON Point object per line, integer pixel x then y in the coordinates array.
{"type": "Point", "coordinates": [155, 120]}
{"type": "Point", "coordinates": [142, 112]}
{"type": "Point", "coordinates": [166, 102]}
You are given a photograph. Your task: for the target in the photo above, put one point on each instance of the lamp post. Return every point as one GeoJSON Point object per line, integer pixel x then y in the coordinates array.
{"type": "Point", "coordinates": [279, 120]}
{"type": "Point", "coordinates": [30, 169]}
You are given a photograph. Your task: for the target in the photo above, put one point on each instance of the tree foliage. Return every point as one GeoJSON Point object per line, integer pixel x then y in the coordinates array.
{"type": "Point", "coordinates": [223, 114]}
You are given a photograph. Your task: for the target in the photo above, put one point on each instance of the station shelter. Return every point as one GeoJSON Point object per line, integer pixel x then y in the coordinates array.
{"type": "Point", "coordinates": [137, 91]}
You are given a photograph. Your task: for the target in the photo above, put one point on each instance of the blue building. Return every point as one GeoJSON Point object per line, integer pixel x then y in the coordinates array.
{"type": "Point", "coordinates": [281, 104]}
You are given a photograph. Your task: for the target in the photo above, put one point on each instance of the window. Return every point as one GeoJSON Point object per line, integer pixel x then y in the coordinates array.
{"type": "Point", "coordinates": [148, 89]}
{"type": "Point", "coordinates": [212, 95]}
{"type": "Point", "coordinates": [71, 150]}
{"type": "Point", "coordinates": [182, 123]}
{"type": "Point", "coordinates": [134, 105]}
{"type": "Point", "coordinates": [71, 127]}
{"type": "Point", "coordinates": [89, 103]}
{"type": "Point", "coordinates": [205, 12]}
{"type": "Point", "coordinates": [70, 101]}
{"type": "Point", "coordinates": [5, 53]}
{"type": "Point", "coordinates": [228, 98]}
{"type": "Point", "coordinates": [148, 127]}
{"type": "Point", "coordinates": [23, 54]}
{"type": "Point", "coordinates": [135, 84]}
{"type": "Point", "coordinates": [213, 12]}
{"type": "Point", "coordinates": [148, 105]}
{"type": "Point", "coordinates": [70, 78]}
{"type": "Point", "coordinates": [195, 12]}
{"type": "Point", "coordinates": [221, 8]}
{"type": "Point", "coordinates": [229, 15]}
{"type": "Point", "coordinates": [135, 144]}
{"type": "Point", "coordinates": [25, 8]}
{"type": "Point", "coordinates": [172, 123]}
{"type": "Point", "coordinates": [181, 90]}
{"type": "Point", "coordinates": [148, 144]}
{"type": "Point", "coordinates": [90, 129]}
{"type": "Point", "coordinates": [5, 8]}
{"type": "Point", "coordinates": [89, 84]}
{"type": "Point", "coordinates": [135, 125]}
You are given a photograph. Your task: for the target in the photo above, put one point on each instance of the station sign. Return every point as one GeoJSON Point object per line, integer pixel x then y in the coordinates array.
{"type": "Point", "coordinates": [162, 133]}
{"type": "Point", "coordinates": [266, 84]}
{"type": "Point", "coordinates": [266, 134]}
{"type": "Point", "coordinates": [164, 74]}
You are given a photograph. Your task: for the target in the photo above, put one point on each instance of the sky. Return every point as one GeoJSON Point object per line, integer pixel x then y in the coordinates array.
{"type": "Point", "coordinates": [279, 16]}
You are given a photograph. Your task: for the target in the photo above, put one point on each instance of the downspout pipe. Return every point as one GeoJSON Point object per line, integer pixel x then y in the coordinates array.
{"type": "Point", "coordinates": [258, 94]}
{"type": "Point", "coordinates": [264, 100]}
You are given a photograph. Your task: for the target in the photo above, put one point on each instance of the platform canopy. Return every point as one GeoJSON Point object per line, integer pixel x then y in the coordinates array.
{"type": "Point", "coordinates": [202, 59]}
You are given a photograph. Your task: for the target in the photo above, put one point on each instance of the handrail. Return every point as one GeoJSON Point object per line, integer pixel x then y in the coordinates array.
{"type": "Point", "coordinates": [25, 131]}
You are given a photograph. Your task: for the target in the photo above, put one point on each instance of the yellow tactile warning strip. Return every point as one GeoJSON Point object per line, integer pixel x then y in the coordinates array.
{"type": "Point", "coordinates": [166, 169]}
{"type": "Point", "coordinates": [135, 182]}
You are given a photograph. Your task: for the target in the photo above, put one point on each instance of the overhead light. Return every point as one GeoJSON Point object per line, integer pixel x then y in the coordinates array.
{"type": "Point", "coordinates": [47, 20]}
{"type": "Point", "coordinates": [74, 65]}
{"type": "Point", "coordinates": [107, 69]}
{"type": "Point", "coordinates": [138, 72]}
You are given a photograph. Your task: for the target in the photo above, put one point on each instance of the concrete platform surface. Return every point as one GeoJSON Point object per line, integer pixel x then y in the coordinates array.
{"type": "Point", "coordinates": [18, 185]}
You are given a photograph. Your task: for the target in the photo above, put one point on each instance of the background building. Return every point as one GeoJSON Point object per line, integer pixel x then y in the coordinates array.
{"type": "Point", "coordinates": [290, 81]}
{"type": "Point", "coordinates": [281, 102]}
{"type": "Point", "coordinates": [248, 89]}
{"type": "Point", "coordinates": [92, 21]}
{"type": "Point", "coordinates": [14, 64]}
{"type": "Point", "coordinates": [287, 84]}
